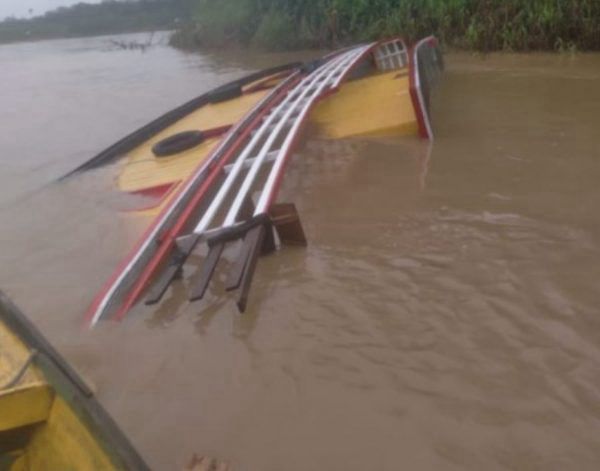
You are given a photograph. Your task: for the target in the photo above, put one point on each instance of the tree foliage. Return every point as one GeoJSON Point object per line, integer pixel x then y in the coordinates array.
{"type": "Point", "coordinates": [85, 19]}
{"type": "Point", "coordinates": [474, 24]}
{"type": "Point", "coordinates": [288, 24]}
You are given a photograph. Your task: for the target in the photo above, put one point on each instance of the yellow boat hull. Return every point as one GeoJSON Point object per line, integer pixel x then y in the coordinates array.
{"type": "Point", "coordinates": [49, 418]}
{"type": "Point", "coordinates": [377, 105]}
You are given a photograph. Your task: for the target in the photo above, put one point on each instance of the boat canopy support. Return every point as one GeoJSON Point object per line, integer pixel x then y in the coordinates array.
{"type": "Point", "coordinates": [231, 196]}
{"type": "Point", "coordinates": [270, 145]}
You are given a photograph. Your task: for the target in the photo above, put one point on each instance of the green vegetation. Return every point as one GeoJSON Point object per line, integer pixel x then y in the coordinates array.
{"type": "Point", "coordinates": [484, 25]}
{"type": "Point", "coordinates": [107, 17]}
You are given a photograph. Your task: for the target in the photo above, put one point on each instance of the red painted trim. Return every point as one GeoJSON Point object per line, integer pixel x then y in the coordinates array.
{"type": "Point", "coordinates": [211, 133]}
{"type": "Point", "coordinates": [216, 132]}
{"type": "Point", "coordinates": [206, 165]}
{"type": "Point", "coordinates": [89, 314]}
{"type": "Point", "coordinates": [167, 242]}
{"type": "Point", "coordinates": [160, 192]}
{"type": "Point", "coordinates": [157, 193]}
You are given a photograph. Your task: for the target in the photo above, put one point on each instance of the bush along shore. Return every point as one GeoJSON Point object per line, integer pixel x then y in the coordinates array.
{"type": "Point", "coordinates": [481, 25]}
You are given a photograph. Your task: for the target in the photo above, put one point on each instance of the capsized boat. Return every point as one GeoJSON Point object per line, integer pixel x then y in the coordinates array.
{"type": "Point", "coordinates": [49, 418]}
{"type": "Point", "coordinates": [211, 169]}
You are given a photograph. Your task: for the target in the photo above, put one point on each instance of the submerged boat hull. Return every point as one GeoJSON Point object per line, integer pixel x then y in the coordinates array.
{"type": "Point", "coordinates": [383, 90]}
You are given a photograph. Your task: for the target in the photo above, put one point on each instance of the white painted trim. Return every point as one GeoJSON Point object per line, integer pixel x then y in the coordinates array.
{"type": "Point", "coordinates": [158, 228]}
{"type": "Point", "coordinates": [424, 110]}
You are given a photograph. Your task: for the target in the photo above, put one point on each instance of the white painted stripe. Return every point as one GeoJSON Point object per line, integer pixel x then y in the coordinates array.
{"type": "Point", "coordinates": [269, 187]}
{"type": "Point", "coordinates": [217, 201]}
{"type": "Point", "coordinates": [328, 71]}
{"type": "Point", "coordinates": [424, 110]}
{"type": "Point", "coordinates": [103, 305]}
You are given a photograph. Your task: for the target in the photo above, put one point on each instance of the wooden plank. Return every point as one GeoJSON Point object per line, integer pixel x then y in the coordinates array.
{"type": "Point", "coordinates": [286, 220]}
{"type": "Point", "coordinates": [268, 245]}
{"type": "Point", "coordinates": [207, 271]}
{"type": "Point", "coordinates": [23, 406]}
{"type": "Point", "coordinates": [235, 275]}
{"type": "Point", "coordinates": [184, 247]}
{"type": "Point", "coordinates": [162, 284]}
{"type": "Point", "coordinates": [256, 238]}
{"type": "Point", "coordinates": [237, 231]}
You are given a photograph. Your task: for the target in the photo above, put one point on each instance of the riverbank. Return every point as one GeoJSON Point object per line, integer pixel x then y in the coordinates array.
{"type": "Point", "coordinates": [480, 25]}
{"type": "Point", "coordinates": [285, 25]}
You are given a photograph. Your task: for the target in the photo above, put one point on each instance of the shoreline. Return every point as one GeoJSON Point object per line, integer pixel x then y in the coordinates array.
{"type": "Point", "coordinates": [234, 46]}
{"type": "Point", "coordinates": [84, 36]}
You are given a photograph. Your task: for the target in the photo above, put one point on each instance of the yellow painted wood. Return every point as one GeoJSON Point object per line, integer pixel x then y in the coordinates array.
{"type": "Point", "coordinates": [376, 105]}
{"type": "Point", "coordinates": [13, 354]}
{"type": "Point", "coordinates": [20, 461]}
{"type": "Point", "coordinates": [141, 169]}
{"type": "Point", "coordinates": [146, 173]}
{"type": "Point", "coordinates": [64, 443]}
{"type": "Point", "coordinates": [60, 440]}
{"type": "Point", "coordinates": [25, 405]}
{"type": "Point", "coordinates": [30, 399]}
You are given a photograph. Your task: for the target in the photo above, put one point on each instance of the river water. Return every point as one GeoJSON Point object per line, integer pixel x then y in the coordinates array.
{"type": "Point", "coordinates": [445, 314]}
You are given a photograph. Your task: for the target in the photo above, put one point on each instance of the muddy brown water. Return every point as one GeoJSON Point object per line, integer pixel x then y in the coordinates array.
{"type": "Point", "coordinates": [444, 316]}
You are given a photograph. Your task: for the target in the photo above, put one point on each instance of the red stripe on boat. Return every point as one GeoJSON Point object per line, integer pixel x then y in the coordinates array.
{"type": "Point", "coordinates": [157, 195]}
{"type": "Point", "coordinates": [216, 132]}
{"type": "Point", "coordinates": [89, 315]}
{"type": "Point", "coordinates": [168, 240]}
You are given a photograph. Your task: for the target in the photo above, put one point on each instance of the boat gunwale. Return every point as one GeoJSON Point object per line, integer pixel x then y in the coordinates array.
{"type": "Point", "coordinates": [106, 296]}
{"type": "Point", "coordinates": [421, 110]}
{"type": "Point", "coordinates": [69, 386]}
{"type": "Point", "coordinates": [205, 170]}
{"type": "Point", "coordinates": [103, 300]}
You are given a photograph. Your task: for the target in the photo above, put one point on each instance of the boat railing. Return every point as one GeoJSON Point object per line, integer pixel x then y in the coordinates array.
{"type": "Point", "coordinates": [281, 123]}
{"type": "Point", "coordinates": [271, 143]}
{"type": "Point", "coordinates": [391, 55]}
{"type": "Point", "coordinates": [231, 197]}
{"type": "Point", "coordinates": [125, 286]}
{"type": "Point", "coordinates": [242, 207]}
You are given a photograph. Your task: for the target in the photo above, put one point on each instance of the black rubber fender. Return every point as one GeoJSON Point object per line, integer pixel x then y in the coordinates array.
{"type": "Point", "coordinates": [226, 92]}
{"type": "Point", "coordinates": [311, 66]}
{"type": "Point", "coordinates": [177, 143]}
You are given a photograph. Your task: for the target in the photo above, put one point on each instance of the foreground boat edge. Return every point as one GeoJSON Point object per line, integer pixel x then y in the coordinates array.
{"type": "Point", "coordinates": [72, 389]}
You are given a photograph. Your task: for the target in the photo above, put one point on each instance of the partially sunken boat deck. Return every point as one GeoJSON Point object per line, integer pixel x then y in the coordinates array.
{"type": "Point", "coordinates": [211, 169]}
